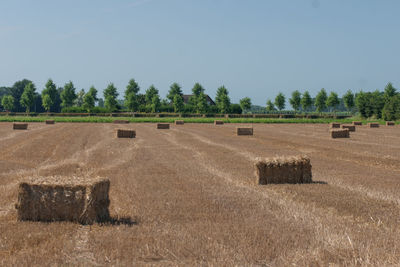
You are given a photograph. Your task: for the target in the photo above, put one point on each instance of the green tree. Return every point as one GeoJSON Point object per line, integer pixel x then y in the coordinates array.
{"type": "Point", "coordinates": [131, 102]}
{"type": "Point", "coordinates": [51, 90]}
{"type": "Point", "coordinates": [132, 87]}
{"type": "Point", "coordinates": [8, 102]}
{"type": "Point", "coordinates": [389, 92]}
{"type": "Point", "coordinates": [68, 95]}
{"type": "Point", "coordinates": [320, 100]}
{"type": "Point", "coordinates": [222, 100]}
{"type": "Point", "coordinates": [332, 101]}
{"type": "Point", "coordinates": [377, 100]}
{"type": "Point", "coordinates": [201, 103]}
{"type": "Point", "coordinates": [391, 110]}
{"type": "Point", "coordinates": [178, 103]}
{"type": "Point", "coordinates": [47, 102]}
{"type": "Point", "coordinates": [348, 100]}
{"type": "Point", "coordinates": [79, 98]}
{"type": "Point", "coordinates": [88, 102]}
{"type": "Point", "coordinates": [280, 101]}
{"type": "Point", "coordinates": [306, 101]}
{"type": "Point", "coordinates": [93, 92]}
{"type": "Point", "coordinates": [16, 91]}
{"type": "Point", "coordinates": [155, 103]}
{"type": "Point", "coordinates": [175, 89]}
{"type": "Point", "coordinates": [28, 96]}
{"type": "Point", "coordinates": [150, 93]}
{"type": "Point", "coordinates": [245, 104]}
{"type": "Point", "coordinates": [270, 106]}
{"type": "Point", "coordinates": [110, 96]}
{"type": "Point", "coordinates": [363, 104]}
{"type": "Point", "coordinates": [295, 100]}
{"type": "Point", "coordinates": [101, 103]}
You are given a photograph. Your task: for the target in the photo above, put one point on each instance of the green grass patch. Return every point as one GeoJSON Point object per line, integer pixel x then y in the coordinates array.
{"type": "Point", "coordinates": [95, 119]}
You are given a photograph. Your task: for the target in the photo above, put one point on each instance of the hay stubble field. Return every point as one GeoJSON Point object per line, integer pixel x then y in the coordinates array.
{"type": "Point", "coordinates": [188, 195]}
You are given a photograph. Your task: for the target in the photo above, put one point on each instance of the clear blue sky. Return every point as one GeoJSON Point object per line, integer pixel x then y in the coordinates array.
{"type": "Point", "coordinates": [255, 48]}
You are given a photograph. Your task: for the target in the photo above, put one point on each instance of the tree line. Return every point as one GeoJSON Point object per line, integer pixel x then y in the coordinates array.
{"type": "Point", "coordinates": [22, 96]}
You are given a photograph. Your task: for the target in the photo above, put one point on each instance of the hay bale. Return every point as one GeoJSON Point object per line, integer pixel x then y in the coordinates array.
{"type": "Point", "coordinates": [57, 198]}
{"type": "Point", "coordinates": [373, 125]}
{"type": "Point", "coordinates": [340, 133]}
{"type": "Point", "coordinates": [179, 122]}
{"type": "Point", "coordinates": [284, 170]}
{"type": "Point", "coordinates": [335, 125]}
{"type": "Point", "coordinates": [244, 131]}
{"type": "Point", "coordinates": [352, 128]}
{"type": "Point", "coordinates": [122, 133]}
{"type": "Point", "coordinates": [162, 125]}
{"type": "Point", "coordinates": [50, 122]}
{"type": "Point", "coordinates": [390, 123]}
{"type": "Point", "coordinates": [120, 121]}
{"type": "Point", "coordinates": [357, 123]}
{"type": "Point", "coordinates": [218, 122]}
{"type": "Point", "coordinates": [20, 126]}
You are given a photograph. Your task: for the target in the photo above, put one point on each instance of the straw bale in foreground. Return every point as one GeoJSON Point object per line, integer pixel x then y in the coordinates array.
{"type": "Point", "coordinates": [244, 131]}
{"type": "Point", "coordinates": [282, 170]}
{"type": "Point", "coordinates": [122, 133]}
{"type": "Point", "coordinates": [340, 133]}
{"type": "Point", "coordinates": [20, 126]}
{"type": "Point", "coordinates": [57, 198]}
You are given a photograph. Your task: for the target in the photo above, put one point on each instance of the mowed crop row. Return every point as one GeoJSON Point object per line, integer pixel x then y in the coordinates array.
{"type": "Point", "coordinates": [188, 195]}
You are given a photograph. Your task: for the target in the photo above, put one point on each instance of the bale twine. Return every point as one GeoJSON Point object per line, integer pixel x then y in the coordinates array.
{"type": "Point", "coordinates": [373, 125]}
{"type": "Point", "coordinates": [218, 122]}
{"type": "Point", "coordinates": [351, 128]}
{"type": "Point", "coordinates": [20, 126]}
{"type": "Point", "coordinates": [179, 122]}
{"type": "Point", "coordinates": [335, 125]}
{"type": "Point", "coordinates": [244, 131]}
{"type": "Point", "coordinates": [340, 133]}
{"type": "Point", "coordinates": [282, 170]}
{"type": "Point", "coordinates": [82, 200]}
{"type": "Point", "coordinates": [390, 123]}
{"type": "Point", "coordinates": [162, 125]}
{"type": "Point", "coordinates": [120, 121]}
{"type": "Point", "coordinates": [357, 123]}
{"type": "Point", "coordinates": [50, 122]}
{"type": "Point", "coordinates": [122, 133]}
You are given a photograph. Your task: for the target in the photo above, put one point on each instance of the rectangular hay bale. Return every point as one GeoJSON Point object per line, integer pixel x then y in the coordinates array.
{"type": "Point", "coordinates": [20, 126]}
{"type": "Point", "coordinates": [122, 133]}
{"type": "Point", "coordinates": [50, 122]}
{"type": "Point", "coordinates": [218, 122]}
{"type": "Point", "coordinates": [373, 125]}
{"type": "Point", "coordinates": [335, 125]}
{"type": "Point", "coordinates": [390, 123]}
{"type": "Point", "coordinates": [82, 200]}
{"type": "Point", "coordinates": [120, 121]}
{"type": "Point", "coordinates": [244, 131]}
{"type": "Point", "coordinates": [284, 170]}
{"type": "Point", "coordinates": [351, 128]}
{"type": "Point", "coordinates": [179, 122]}
{"type": "Point", "coordinates": [359, 123]}
{"type": "Point", "coordinates": [340, 133]}
{"type": "Point", "coordinates": [162, 125]}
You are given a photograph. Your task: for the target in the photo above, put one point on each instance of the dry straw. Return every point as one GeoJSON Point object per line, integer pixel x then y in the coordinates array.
{"type": "Point", "coordinates": [122, 133]}
{"type": "Point", "coordinates": [20, 126]}
{"type": "Point", "coordinates": [244, 131]}
{"type": "Point", "coordinates": [50, 122]}
{"type": "Point", "coordinates": [282, 170]}
{"type": "Point", "coordinates": [335, 125]}
{"type": "Point", "coordinates": [351, 128]}
{"type": "Point", "coordinates": [340, 133]}
{"type": "Point", "coordinates": [390, 123]}
{"type": "Point", "coordinates": [57, 198]}
{"type": "Point", "coordinates": [373, 125]}
{"type": "Point", "coordinates": [359, 123]}
{"type": "Point", "coordinates": [179, 122]}
{"type": "Point", "coordinates": [218, 122]}
{"type": "Point", "coordinates": [162, 125]}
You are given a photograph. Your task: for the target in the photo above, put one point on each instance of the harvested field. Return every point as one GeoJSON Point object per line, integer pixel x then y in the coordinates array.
{"type": "Point", "coordinates": [187, 196]}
